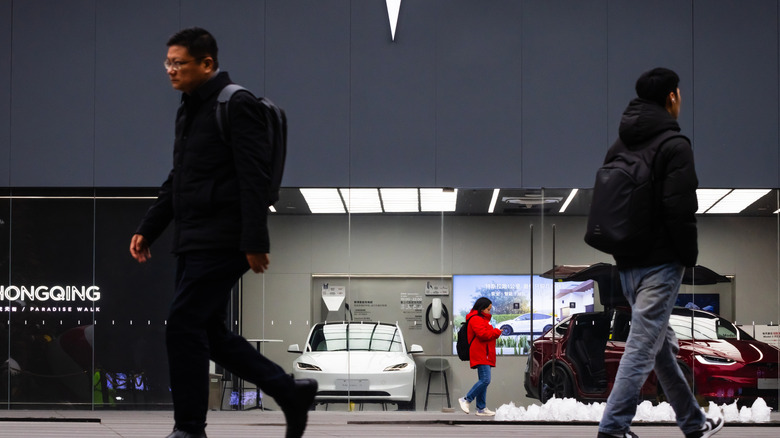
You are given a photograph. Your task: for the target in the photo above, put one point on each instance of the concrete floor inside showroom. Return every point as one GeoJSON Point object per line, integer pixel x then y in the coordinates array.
{"type": "Point", "coordinates": [323, 424]}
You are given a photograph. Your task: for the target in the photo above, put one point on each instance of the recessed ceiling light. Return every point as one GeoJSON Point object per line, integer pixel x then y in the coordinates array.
{"type": "Point", "coordinates": [400, 200]}
{"type": "Point", "coordinates": [708, 197]}
{"type": "Point", "coordinates": [361, 200]}
{"type": "Point", "coordinates": [438, 199]}
{"type": "Point", "coordinates": [323, 200]}
{"type": "Point", "coordinates": [568, 200]}
{"type": "Point", "coordinates": [737, 200]}
{"type": "Point", "coordinates": [493, 201]}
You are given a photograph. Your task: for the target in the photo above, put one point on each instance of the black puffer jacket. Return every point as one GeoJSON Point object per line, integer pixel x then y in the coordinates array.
{"type": "Point", "coordinates": [217, 194]}
{"type": "Point", "coordinates": [676, 236]}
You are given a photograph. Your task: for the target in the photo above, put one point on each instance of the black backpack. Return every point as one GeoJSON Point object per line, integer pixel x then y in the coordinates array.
{"type": "Point", "coordinates": [464, 345]}
{"type": "Point", "coordinates": [622, 214]}
{"type": "Point", "coordinates": [277, 133]}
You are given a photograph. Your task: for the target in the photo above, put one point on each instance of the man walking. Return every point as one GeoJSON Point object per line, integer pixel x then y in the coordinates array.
{"type": "Point", "coordinates": [651, 276]}
{"type": "Point", "coordinates": [216, 195]}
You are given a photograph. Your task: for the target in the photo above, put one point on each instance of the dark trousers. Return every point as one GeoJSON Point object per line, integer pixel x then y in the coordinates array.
{"type": "Point", "coordinates": [196, 332]}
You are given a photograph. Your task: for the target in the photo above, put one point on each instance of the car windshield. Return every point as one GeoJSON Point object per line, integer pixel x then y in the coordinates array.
{"type": "Point", "coordinates": [563, 326]}
{"type": "Point", "coordinates": [704, 326]}
{"type": "Point", "coordinates": [356, 337]}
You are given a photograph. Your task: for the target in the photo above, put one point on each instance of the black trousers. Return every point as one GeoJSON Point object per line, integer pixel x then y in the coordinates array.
{"type": "Point", "coordinates": [196, 332]}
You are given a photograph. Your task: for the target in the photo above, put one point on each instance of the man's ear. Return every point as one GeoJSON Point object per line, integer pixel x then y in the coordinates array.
{"type": "Point", "coordinates": [208, 63]}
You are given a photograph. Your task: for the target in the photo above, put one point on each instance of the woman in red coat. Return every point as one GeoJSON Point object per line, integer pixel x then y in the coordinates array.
{"type": "Point", "coordinates": [482, 354]}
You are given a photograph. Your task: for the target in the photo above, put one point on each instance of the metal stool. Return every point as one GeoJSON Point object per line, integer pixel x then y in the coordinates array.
{"type": "Point", "coordinates": [437, 365]}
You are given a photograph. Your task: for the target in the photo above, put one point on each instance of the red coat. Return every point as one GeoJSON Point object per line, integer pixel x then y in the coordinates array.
{"type": "Point", "coordinates": [484, 335]}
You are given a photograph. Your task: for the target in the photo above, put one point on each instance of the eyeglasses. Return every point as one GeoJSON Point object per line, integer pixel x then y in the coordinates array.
{"type": "Point", "coordinates": [176, 65]}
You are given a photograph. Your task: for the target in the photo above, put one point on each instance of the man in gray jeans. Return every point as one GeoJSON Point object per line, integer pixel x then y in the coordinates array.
{"type": "Point", "coordinates": [651, 278]}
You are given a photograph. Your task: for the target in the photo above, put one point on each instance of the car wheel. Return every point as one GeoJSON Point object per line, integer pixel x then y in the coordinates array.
{"type": "Point", "coordinates": [506, 330]}
{"type": "Point", "coordinates": [410, 405]}
{"type": "Point", "coordinates": [558, 384]}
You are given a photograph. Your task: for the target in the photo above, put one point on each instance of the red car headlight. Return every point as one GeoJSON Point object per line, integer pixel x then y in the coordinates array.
{"type": "Point", "coordinates": [707, 359]}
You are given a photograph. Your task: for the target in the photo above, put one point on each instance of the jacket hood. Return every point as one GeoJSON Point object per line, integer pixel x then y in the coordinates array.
{"type": "Point", "coordinates": [642, 120]}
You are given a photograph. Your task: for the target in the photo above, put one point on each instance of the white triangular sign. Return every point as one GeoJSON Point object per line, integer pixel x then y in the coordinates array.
{"type": "Point", "coordinates": [393, 6]}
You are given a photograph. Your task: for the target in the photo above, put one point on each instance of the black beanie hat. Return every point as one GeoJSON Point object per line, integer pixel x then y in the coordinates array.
{"type": "Point", "coordinates": [656, 84]}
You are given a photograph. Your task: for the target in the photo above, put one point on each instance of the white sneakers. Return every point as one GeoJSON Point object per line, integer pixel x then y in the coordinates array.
{"type": "Point", "coordinates": [485, 413]}
{"type": "Point", "coordinates": [465, 407]}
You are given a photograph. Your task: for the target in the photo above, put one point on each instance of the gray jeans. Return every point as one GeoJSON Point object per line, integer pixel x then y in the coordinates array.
{"type": "Point", "coordinates": [651, 345]}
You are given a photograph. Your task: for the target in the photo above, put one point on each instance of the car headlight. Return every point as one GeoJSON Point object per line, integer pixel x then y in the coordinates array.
{"type": "Point", "coordinates": [397, 367]}
{"type": "Point", "coordinates": [307, 366]}
{"type": "Point", "coordinates": [706, 359]}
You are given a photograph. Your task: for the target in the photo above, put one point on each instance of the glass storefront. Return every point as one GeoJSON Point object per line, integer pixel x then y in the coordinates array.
{"type": "Point", "coordinates": [84, 324]}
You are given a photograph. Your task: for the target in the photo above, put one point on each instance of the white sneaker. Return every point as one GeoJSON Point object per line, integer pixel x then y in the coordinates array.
{"type": "Point", "coordinates": [485, 413]}
{"type": "Point", "coordinates": [464, 405]}
{"type": "Point", "coordinates": [711, 427]}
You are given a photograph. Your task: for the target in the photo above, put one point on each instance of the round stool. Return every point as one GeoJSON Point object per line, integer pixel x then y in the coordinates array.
{"type": "Point", "coordinates": [440, 366]}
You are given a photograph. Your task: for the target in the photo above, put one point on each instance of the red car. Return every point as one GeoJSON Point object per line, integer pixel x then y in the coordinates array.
{"type": "Point", "coordinates": [579, 358]}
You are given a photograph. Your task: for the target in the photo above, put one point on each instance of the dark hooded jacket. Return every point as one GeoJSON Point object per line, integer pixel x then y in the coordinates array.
{"type": "Point", "coordinates": [676, 183]}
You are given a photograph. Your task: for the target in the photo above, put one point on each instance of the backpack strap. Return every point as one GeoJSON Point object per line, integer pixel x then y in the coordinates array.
{"type": "Point", "coordinates": [223, 119]}
{"type": "Point", "coordinates": [467, 330]}
{"type": "Point", "coordinates": [661, 140]}
{"type": "Point", "coordinates": [657, 144]}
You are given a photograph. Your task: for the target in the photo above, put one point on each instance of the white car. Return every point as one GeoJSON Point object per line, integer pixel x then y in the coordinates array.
{"type": "Point", "coordinates": [522, 324]}
{"type": "Point", "coordinates": [358, 362]}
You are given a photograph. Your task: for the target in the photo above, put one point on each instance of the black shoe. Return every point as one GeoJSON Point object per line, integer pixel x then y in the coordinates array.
{"type": "Point", "coordinates": [628, 434]}
{"type": "Point", "coordinates": [710, 428]}
{"type": "Point", "coordinates": [296, 411]}
{"type": "Point", "coordinates": [182, 434]}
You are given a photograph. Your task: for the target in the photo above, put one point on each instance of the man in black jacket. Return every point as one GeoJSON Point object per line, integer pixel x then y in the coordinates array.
{"type": "Point", "coordinates": [217, 197]}
{"type": "Point", "coordinates": [651, 277]}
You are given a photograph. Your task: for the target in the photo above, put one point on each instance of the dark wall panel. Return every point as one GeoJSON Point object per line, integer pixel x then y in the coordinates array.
{"type": "Point", "coordinates": [53, 93]}
{"type": "Point", "coordinates": [478, 93]}
{"type": "Point", "coordinates": [47, 331]}
{"type": "Point", "coordinates": [130, 336]}
{"type": "Point", "coordinates": [239, 27]}
{"type": "Point", "coordinates": [392, 112]}
{"type": "Point", "coordinates": [134, 103]}
{"type": "Point", "coordinates": [564, 91]}
{"type": "Point", "coordinates": [5, 90]}
{"type": "Point", "coordinates": [736, 88]}
{"type": "Point", "coordinates": [636, 45]}
{"type": "Point", "coordinates": [84, 104]}
{"type": "Point", "coordinates": [307, 74]}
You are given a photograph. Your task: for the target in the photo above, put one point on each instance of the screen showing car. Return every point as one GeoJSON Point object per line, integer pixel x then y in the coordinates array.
{"type": "Point", "coordinates": [524, 306]}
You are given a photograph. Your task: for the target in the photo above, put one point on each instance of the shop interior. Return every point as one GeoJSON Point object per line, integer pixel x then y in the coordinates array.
{"type": "Point", "coordinates": [102, 347]}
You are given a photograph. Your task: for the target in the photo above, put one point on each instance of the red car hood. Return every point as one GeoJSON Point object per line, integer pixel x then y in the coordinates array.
{"type": "Point", "coordinates": [746, 352]}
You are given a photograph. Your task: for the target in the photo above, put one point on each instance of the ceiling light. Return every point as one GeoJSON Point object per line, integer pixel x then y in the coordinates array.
{"type": "Point", "coordinates": [438, 199]}
{"type": "Point", "coordinates": [400, 200]}
{"type": "Point", "coordinates": [361, 200]}
{"type": "Point", "coordinates": [529, 200]}
{"type": "Point", "coordinates": [737, 200]}
{"type": "Point", "coordinates": [708, 197]}
{"type": "Point", "coordinates": [568, 200]}
{"type": "Point", "coordinates": [323, 200]}
{"type": "Point", "coordinates": [493, 201]}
